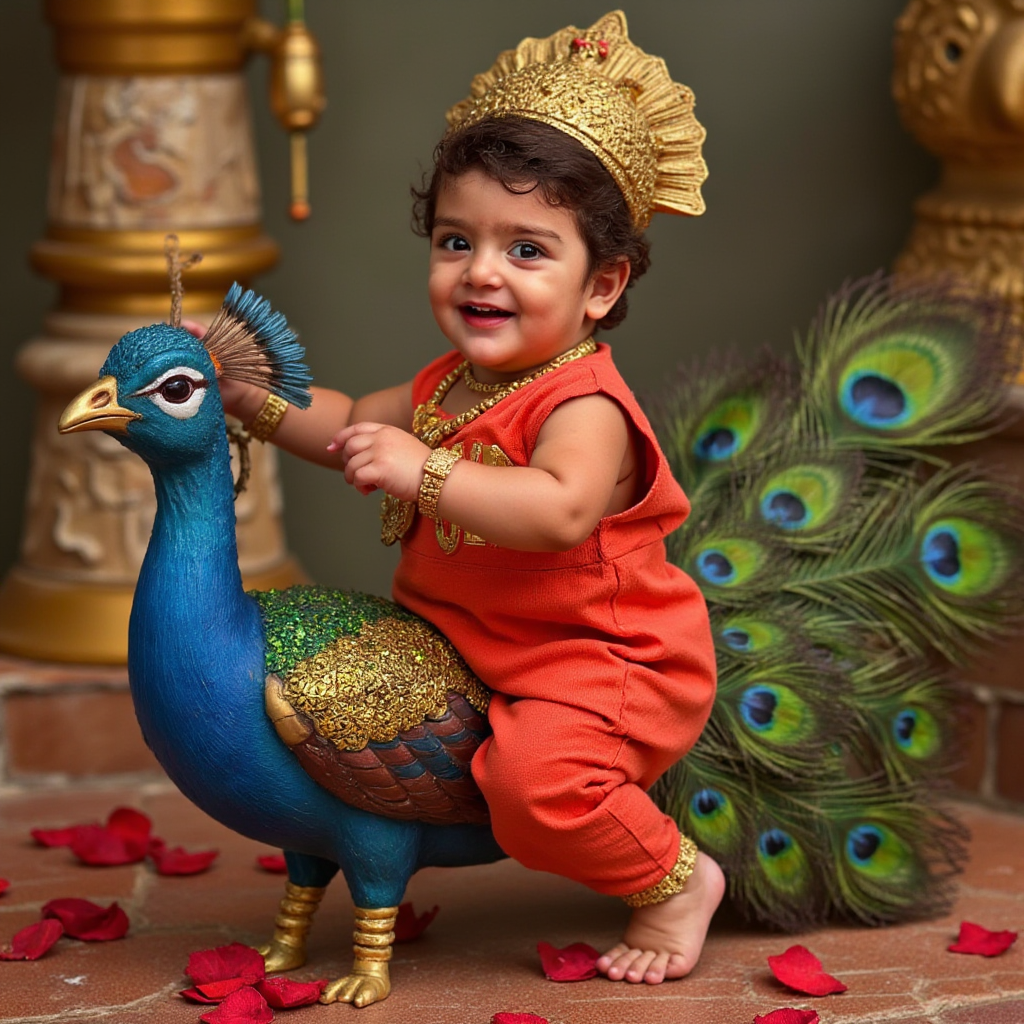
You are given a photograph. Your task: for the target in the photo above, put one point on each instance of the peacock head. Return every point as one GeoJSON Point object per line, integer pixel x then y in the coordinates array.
{"type": "Point", "coordinates": [157, 392]}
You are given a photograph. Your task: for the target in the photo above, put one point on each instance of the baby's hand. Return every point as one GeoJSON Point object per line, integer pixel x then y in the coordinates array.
{"type": "Point", "coordinates": [375, 455]}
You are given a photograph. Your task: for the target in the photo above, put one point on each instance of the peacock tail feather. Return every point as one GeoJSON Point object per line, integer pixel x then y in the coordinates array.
{"type": "Point", "coordinates": [848, 567]}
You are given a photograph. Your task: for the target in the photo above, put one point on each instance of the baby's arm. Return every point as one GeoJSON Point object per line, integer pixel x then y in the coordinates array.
{"type": "Point", "coordinates": [307, 432]}
{"type": "Point", "coordinates": [582, 469]}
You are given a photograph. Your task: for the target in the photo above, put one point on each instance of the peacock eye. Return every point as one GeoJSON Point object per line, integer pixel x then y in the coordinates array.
{"type": "Point", "coordinates": [177, 390]}
{"type": "Point", "coordinates": [954, 51]}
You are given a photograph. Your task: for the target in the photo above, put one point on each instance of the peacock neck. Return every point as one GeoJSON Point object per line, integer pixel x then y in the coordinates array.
{"type": "Point", "coordinates": [191, 567]}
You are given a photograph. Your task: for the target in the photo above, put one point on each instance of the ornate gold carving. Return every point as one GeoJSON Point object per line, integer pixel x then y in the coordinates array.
{"type": "Point", "coordinates": [373, 686]}
{"type": "Point", "coordinates": [620, 103]}
{"type": "Point", "coordinates": [673, 882]}
{"type": "Point", "coordinates": [959, 85]}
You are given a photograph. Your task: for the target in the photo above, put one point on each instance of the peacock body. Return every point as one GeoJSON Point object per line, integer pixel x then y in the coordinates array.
{"type": "Point", "coordinates": [845, 565]}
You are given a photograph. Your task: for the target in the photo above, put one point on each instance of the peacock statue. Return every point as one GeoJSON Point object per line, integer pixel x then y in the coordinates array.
{"type": "Point", "coordinates": [847, 564]}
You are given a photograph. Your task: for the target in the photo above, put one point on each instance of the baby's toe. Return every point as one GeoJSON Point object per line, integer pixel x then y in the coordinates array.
{"type": "Point", "coordinates": [657, 970]}
{"type": "Point", "coordinates": [637, 971]}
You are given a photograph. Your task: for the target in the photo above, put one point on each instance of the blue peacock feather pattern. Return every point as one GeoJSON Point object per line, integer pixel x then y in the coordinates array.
{"type": "Point", "coordinates": [847, 566]}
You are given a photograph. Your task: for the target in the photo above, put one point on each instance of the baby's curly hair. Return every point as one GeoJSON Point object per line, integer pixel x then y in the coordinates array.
{"type": "Point", "coordinates": [523, 155]}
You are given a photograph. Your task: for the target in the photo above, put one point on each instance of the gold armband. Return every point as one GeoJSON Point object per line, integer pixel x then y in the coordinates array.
{"type": "Point", "coordinates": [673, 882]}
{"type": "Point", "coordinates": [435, 472]}
{"type": "Point", "coordinates": [267, 419]}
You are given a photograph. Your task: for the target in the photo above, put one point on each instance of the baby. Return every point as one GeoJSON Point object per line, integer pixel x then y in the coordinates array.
{"type": "Point", "coordinates": [526, 485]}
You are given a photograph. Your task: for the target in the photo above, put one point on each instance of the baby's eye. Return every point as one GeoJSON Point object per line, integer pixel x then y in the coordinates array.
{"type": "Point", "coordinates": [525, 251]}
{"type": "Point", "coordinates": [454, 243]}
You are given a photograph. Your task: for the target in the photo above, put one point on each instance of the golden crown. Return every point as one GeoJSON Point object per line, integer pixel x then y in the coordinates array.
{"type": "Point", "coordinates": [614, 99]}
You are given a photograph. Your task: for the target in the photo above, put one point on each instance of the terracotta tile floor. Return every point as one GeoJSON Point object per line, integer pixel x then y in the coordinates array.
{"type": "Point", "coordinates": [478, 956]}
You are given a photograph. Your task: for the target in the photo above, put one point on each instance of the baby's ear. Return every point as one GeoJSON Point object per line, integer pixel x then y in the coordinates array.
{"type": "Point", "coordinates": [605, 287]}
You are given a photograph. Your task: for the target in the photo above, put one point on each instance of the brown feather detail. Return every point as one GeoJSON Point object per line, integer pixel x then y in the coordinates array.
{"type": "Point", "coordinates": [380, 777]}
{"type": "Point", "coordinates": [229, 341]}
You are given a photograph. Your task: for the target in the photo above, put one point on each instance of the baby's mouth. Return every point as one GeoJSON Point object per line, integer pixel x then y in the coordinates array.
{"type": "Point", "coordinates": [487, 312]}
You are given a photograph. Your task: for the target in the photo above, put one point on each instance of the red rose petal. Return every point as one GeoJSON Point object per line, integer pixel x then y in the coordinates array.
{"type": "Point", "coordinates": [274, 863]}
{"type": "Point", "coordinates": [576, 962]}
{"type": "Point", "coordinates": [225, 962]}
{"type": "Point", "coordinates": [99, 847]}
{"type": "Point", "coordinates": [246, 1006]}
{"type": "Point", "coordinates": [409, 926]}
{"type": "Point", "coordinates": [177, 862]}
{"type": "Point", "coordinates": [32, 942]}
{"type": "Point", "coordinates": [88, 921]}
{"type": "Point", "coordinates": [285, 994]}
{"type": "Point", "coordinates": [788, 1016]}
{"type": "Point", "coordinates": [980, 941]}
{"type": "Point", "coordinates": [56, 836]}
{"type": "Point", "coordinates": [193, 995]}
{"type": "Point", "coordinates": [4, 886]}
{"type": "Point", "coordinates": [799, 969]}
{"type": "Point", "coordinates": [129, 824]}
{"type": "Point", "coordinates": [156, 846]}
{"type": "Point", "coordinates": [215, 991]}
{"type": "Point", "coordinates": [518, 1018]}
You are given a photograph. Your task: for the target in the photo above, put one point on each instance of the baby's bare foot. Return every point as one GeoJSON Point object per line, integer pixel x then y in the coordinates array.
{"type": "Point", "coordinates": [665, 940]}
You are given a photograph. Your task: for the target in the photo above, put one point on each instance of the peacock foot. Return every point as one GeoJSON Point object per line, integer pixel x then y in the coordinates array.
{"type": "Point", "coordinates": [279, 956]}
{"type": "Point", "coordinates": [287, 948]}
{"type": "Point", "coordinates": [368, 983]}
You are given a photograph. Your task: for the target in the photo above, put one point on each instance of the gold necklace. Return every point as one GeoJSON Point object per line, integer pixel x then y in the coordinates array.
{"type": "Point", "coordinates": [429, 426]}
{"type": "Point", "coordinates": [474, 385]}
{"type": "Point", "coordinates": [431, 429]}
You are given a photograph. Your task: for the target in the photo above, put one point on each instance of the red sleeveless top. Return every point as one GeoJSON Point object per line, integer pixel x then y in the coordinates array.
{"type": "Point", "coordinates": [609, 626]}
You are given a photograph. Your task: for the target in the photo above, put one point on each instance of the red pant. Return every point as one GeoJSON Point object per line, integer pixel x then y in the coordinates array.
{"type": "Point", "coordinates": [569, 796]}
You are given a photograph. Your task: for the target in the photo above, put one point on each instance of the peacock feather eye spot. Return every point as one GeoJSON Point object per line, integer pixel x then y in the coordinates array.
{"type": "Point", "coordinates": [784, 509]}
{"type": "Point", "coordinates": [707, 801]}
{"type": "Point", "coordinates": [736, 638]}
{"type": "Point", "coordinates": [758, 706]}
{"type": "Point", "coordinates": [715, 567]}
{"type": "Point", "coordinates": [716, 444]}
{"type": "Point", "coordinates": [903, 726]}
{"type": "Point", "coordinates": [774, 842]}
{"type": "Point", "coordinates": [862, 843]}
{"type": "Point", "coordinates": [940, 553]}
{"type": "Point", "coordinates": [875, 401]}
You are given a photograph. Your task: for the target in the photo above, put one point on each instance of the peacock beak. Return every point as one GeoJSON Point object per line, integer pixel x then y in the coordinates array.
{"type": "Point", "coordinates": [96, 408]}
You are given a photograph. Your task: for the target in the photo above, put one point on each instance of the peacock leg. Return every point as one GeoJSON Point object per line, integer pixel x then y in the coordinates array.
{"type": "Point", "coordinates": [287, 948]}
{"type": "Point", "coordinates": [369, 981]}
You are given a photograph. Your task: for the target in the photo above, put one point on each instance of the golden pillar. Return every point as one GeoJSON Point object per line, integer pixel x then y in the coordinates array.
{"type": "Point", "coordinates": [959, 86]}
{"type": "Point", "coordinates": [152, 134]}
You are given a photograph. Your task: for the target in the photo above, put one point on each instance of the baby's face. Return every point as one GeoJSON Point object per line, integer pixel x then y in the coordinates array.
{"type": "Point", "coordinates": [509, 285]}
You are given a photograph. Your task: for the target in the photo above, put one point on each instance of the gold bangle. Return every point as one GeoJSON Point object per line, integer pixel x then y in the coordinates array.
{"type": "Point", "coordinates": [267, 419]}
{"type": "Point", "coordinates": [673, 882]}
{"type": "Point", "coordinates": [435, 472]}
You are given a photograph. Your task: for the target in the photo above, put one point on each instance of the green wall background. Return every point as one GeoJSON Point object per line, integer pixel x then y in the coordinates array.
{"type": "Point", "coordinates": [811, 182]}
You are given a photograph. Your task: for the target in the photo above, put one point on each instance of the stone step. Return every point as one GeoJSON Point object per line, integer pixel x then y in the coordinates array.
{"type": "Point", "coordinates": [68, 723]}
